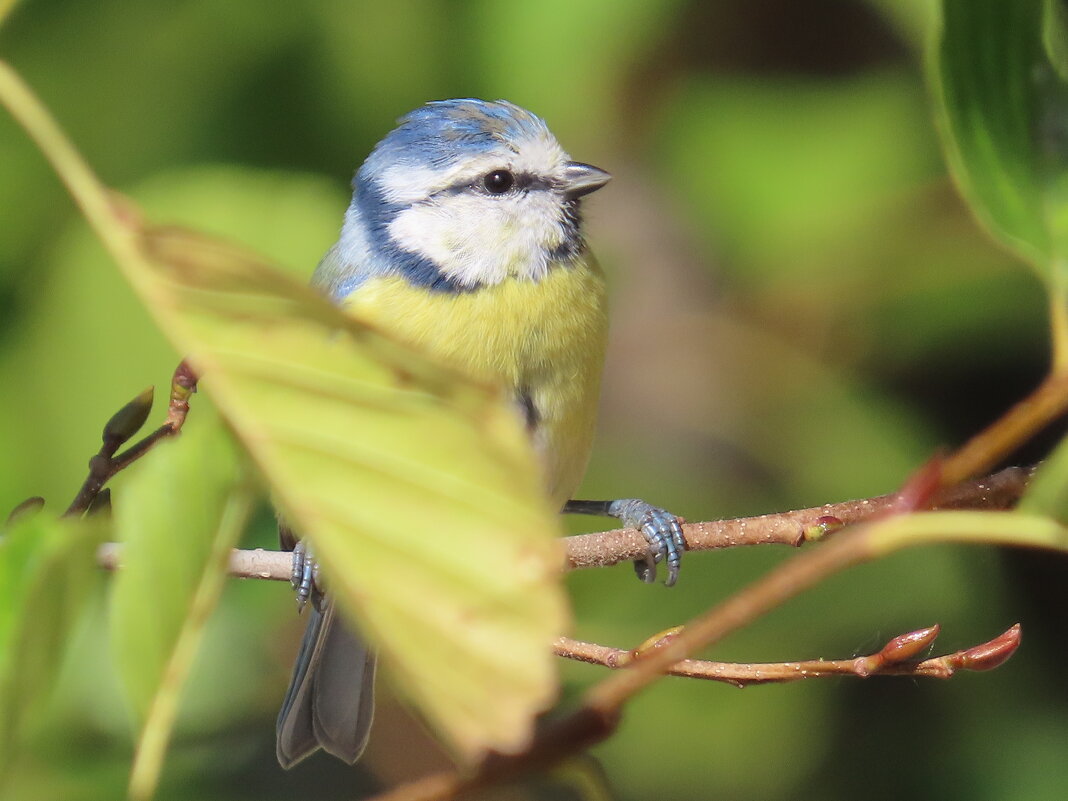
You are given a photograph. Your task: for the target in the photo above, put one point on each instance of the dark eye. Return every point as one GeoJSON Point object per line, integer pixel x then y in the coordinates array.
{"type": "Point", "coordinates": [498, 182]}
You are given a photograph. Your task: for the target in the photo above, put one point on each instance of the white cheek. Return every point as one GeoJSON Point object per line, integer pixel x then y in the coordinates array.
{"type": "Point", "coordinates": [405, 184]}
{"type": "Point", "coordinates": [480, 240]}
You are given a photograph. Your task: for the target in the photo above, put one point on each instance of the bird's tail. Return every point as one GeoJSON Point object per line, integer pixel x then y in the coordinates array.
{"type": "Point", "coordinates": [330, 700]}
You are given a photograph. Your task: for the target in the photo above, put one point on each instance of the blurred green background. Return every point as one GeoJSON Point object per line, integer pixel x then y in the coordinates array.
{"type": "Point", "coordinates": [804, 311]}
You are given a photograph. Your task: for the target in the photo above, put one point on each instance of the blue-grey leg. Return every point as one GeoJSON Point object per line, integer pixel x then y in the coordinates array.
{"type": "Point", "coordinates": [305, 576]}
{"type": "Point", "coordinates": [662, 529]}
{"type": "Point", "coordinates": [330, 700]}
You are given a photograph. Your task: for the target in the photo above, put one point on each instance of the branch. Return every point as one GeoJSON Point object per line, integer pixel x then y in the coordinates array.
{"type": "Point", "coordinates": [589, 725]}
{"type": "Point", "coordinates": [994, 492]}
{"type": "Point", "coordinates": [998, 491]}
{"type": "Point", "coordinates": [122, 426]}
{"type": "Point", "coordinates": [896, 658]}
{"type": "Point", "coordinates": [250, 564]}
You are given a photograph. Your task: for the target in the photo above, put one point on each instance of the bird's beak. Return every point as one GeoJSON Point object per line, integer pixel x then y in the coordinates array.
{"type": "Point", "coordinates": [581, 179]}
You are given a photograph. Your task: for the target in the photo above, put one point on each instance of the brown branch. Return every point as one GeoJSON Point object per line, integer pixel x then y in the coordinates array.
{"type": "Point", "coordinates": [785, 581]}
{"type": "Point", "coordinates": [998, 491]}
{"type": "Point", "coordinates": [894, 659]}
{"type": "Point", "coordinates": [255, 563]}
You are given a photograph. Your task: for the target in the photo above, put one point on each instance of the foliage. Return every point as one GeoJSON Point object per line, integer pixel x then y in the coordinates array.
{"type": "Point", "coordinates": [178, 518]}
{"type": "Point", "coordinates": [46, 574]}
{"type": "Point", "coordinates": [804, 312]}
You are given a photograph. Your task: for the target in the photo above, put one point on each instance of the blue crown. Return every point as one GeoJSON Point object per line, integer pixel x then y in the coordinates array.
{"type": "Point", "coordinates": [440, 133]}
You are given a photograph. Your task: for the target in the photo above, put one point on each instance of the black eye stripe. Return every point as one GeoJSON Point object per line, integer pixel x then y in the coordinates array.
{"type": "Point", "coordinates": [523, 181]}
{"type": "Point", "coordinates": [529, 181]}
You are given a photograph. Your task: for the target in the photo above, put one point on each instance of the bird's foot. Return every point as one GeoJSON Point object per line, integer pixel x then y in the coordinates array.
{"type": "Point", "coordinates": [305, 576]}
{"type": "Point", "coordinates": [663, 531]}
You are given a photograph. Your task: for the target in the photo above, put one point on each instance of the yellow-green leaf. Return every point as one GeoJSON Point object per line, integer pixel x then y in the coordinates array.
{"type": "Point", "coordinates": [47, 573]}
{"type": "Point", "coordinates": [418, 488]}
{"type": "Point", "coordinates": [177, 518]}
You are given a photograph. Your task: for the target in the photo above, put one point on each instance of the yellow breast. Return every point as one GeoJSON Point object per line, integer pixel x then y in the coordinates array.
{"type": "Point", "coordinates": [543, 339]}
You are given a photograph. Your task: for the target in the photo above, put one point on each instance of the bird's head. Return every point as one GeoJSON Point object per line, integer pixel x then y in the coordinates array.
{"type": "Point", "coordinates": [465, 193]}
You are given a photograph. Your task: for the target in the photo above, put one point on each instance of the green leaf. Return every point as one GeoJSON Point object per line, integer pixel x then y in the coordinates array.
{"type": "Point", "coordinates": [417, 486]}
{"type": "Point", "coordinates": [1048, 491]}
{"type": "Point", "coordinates": [990, 75]}
{"type": "Point", "coordinates": [178, 518]}
{"type": "Point", "coordinates": [47, 574]}
{"type": "Point", "coordinates": [998, 72]}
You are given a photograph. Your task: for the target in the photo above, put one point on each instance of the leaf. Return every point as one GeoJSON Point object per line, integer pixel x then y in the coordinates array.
{"type": "Point", "coordinates": [1047, 493]}
{"type": "Point", "coordinates": [989, 104]}
{"type": "Point", "coordinates": [998, 72]}
{"type": "Point", "coordinates": [418, 487]}
{"type": "Point", "coordinates": [47, 575]}
{"type": "Point", "coordinates": [178, 517]}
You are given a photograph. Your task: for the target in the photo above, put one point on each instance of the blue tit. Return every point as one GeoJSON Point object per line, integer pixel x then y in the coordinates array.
{"type": "Point", "coordinates": [464, 239]}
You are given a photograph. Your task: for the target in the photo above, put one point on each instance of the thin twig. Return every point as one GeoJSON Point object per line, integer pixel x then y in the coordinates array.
{"type": "Point", "coordinates": [785, 581]}
{"type": "Point", "coordinates": [255, 563]}
{"type": "Point", "coordinates": [122, 426]}
{"type": "Point", "coordinates": [1026, 418]}
{"type": "Point", "coordinates": [894, 659]}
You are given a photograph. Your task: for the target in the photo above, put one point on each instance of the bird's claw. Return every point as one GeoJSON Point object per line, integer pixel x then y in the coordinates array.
{"type": "Point", "coordinates": [663, 531]}
{"type": "Point", "coordinates": [305, 576]}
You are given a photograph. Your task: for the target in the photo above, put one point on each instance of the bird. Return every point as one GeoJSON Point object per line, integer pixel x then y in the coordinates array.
{"type": "Point", "coordinates": [464, 238]}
